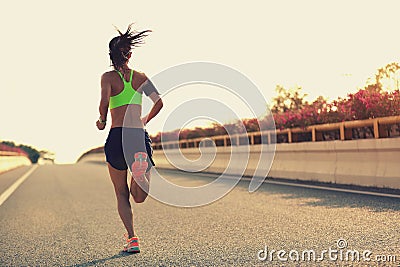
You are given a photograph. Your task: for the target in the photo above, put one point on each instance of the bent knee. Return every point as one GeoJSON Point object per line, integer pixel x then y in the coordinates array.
{"type": "Point", "coordinates": [139, 199]}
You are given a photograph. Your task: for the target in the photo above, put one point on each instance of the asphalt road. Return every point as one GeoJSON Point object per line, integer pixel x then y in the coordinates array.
{"type": "Point", "coordinates": [65, 215]}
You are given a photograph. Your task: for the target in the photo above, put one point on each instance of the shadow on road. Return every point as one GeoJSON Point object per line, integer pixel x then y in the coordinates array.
{"type": "Point", "coordinates": [328, 198]}
{"type": "Point", "coordinates": [311, 197]}
{"type": "Point", "coordinates": [121, 254]}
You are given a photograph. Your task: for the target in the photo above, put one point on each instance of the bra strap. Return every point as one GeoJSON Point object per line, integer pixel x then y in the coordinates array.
{"type": "Point", "coordinates": [120, 75]}
{"type": "Point", "coordinates": [130, 79]}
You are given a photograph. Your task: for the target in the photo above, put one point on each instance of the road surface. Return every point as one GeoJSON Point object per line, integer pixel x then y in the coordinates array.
{"type": "Point", "coordinates": [65, 215]}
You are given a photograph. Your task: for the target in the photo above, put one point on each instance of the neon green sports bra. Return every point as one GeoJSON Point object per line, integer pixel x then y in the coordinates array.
{"type": "Point", "coordinates": [127, 96]}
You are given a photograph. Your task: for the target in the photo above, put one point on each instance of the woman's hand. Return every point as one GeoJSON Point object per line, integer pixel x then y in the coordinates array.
{"type": "Point", "coordinates": [100, 125]}
{"type": "Point", "coordinates": [144, 120]}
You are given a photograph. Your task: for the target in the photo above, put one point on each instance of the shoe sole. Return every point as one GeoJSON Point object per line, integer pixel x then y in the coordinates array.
{"type": "Point", "coordinates": [133, 250]}
{"type": "Point", "coordinates": [134, 168]}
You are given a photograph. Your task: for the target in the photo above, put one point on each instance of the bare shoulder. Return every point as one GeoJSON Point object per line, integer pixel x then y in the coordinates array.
{"type": "Point", "coordinates": [140, 77]}
{"type": "Point", "coordinates": [108, 74]}
{"type": "Point", "coordinates": [140, 74]}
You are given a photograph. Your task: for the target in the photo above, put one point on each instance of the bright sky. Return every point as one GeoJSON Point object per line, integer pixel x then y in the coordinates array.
{"type": "Point", "coordinates": [54, 52]}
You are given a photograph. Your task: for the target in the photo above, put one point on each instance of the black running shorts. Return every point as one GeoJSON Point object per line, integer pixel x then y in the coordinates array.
{"type": "Point", "coordinates": [122, 144]}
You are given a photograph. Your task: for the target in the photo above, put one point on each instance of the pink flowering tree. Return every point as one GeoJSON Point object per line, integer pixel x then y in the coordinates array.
{"type": "Point", "coordinates": [379, 98]}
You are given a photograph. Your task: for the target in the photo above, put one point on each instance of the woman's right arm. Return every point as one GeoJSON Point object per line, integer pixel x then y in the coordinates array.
{"type": "Point", "coordinates": [104, 101]}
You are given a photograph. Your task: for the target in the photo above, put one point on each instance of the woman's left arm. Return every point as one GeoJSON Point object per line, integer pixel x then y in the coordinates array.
{"type": "Point", "coordinates": [151, 91]}
{"type": "Point", "coordinates": [157, 106]}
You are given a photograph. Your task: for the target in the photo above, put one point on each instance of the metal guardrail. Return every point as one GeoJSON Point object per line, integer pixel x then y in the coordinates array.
{"type": "Point", "coordinates": [372, 128]}
{"type": "Point", "coordinates": [11, 153]}
{"type": "Point", "coordinates": [10, 150]}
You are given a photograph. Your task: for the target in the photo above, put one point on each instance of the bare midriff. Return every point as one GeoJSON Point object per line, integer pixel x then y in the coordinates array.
{"type": "Point", "coordinates": [127, 116]}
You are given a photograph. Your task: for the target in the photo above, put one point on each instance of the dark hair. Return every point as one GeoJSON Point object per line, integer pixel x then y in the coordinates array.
{"type": "Point", "coordinates": [120, 46]}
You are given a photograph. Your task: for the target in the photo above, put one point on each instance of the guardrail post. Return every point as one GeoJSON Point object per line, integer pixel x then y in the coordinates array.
{"type": "Point", "coordinates": [342, 132]}
{"type": "Point", "coordinates": [313, 134]}
{"type": "Point", "coordinates": [376, 128]}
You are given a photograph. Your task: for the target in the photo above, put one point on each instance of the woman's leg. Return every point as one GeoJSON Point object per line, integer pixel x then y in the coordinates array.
{"type": "Point", "coordinates": [118, 179]}
{"type": "Point", "coordinates": [139, 193]}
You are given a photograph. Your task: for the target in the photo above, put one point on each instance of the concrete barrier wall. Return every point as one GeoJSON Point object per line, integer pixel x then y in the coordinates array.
{"type": "Point", "coordinates": [368, 162]}
{"type": "Point", "coordinates": [93, 157]}
{"type": "Point", "coordinates": [11, 162]}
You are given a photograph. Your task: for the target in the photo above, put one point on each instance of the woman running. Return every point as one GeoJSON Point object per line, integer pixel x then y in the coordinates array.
{"type": "Point", "coordinates": [128, 144]}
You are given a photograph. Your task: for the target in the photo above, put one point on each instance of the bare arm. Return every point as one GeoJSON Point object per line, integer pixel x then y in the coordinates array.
{"type": "Point", "coordinates": [157, 106]}
{"type": "Point", "coordinates": [151, 91]}
{"type": "Point", "coordinates": [104, 101]}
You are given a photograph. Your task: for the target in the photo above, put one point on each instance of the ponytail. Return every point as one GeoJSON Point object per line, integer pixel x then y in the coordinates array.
{"type": "Point", "coordinates": [120, 46]}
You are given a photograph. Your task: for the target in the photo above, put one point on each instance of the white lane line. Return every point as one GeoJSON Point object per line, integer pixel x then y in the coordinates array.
{"type": "Point", "coordinates": [328, 188]}
{"type": "Point", "coordinates": [353, 191]}
{"type": "Point", "coordinates": [14, 186]}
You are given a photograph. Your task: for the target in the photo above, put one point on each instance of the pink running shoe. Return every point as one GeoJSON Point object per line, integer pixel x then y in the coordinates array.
{"type": "Point", "coordinates": [139, 166]}
{"type": "Point", "coordinates": [132, 245]}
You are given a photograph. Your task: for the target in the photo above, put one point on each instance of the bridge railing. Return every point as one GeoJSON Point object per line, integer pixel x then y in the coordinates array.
{"type": "Point", "coordinates": [12, 157]}
{"type": "Point", "coordinates": [11, 153]}
{"type": "Point", "coordinates": [6, 150]}
{"type": "Point", "coordinates": [384, 127]}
